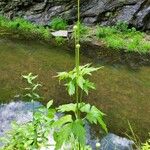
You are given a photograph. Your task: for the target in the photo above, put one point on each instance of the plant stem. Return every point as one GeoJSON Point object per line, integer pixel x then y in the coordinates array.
{"type": "Point", "coordinates": [78, 62]}
{"type": "Point", "coordinates": [77, 57]}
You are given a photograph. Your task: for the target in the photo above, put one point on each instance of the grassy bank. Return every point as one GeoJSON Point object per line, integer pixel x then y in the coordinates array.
{"type": "Point", "coordinates": [25, 28]}
{"type": "Point", "coordinates": [121, 37]}
{"type": "Point", "coordinates": [118, 37]}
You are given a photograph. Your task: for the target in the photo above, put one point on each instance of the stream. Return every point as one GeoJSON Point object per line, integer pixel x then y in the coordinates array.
{"type": "Point", "coordinates": [122, 93]}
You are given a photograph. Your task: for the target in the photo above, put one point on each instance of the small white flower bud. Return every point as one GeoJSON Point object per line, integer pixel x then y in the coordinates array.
{"type": "Point", "coordinates": [98, 145]}
{"type": "Point", "coordinates": [75, 27]}
{"type": "Point", "coordinates": [78, 46]}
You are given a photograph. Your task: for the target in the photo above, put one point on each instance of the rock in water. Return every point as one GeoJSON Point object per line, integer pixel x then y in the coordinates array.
{"type": "Point", "coordinates": [114, 142]}
{"type": "Point", "coordinates": [60, 33]}
{"type": "Point", "coordinates": [21, 112]}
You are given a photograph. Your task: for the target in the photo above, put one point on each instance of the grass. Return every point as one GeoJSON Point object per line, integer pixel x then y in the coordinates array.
{"type": "Point", "coordinates": [25, 28]}
{"type": "Point", "coordinates": [120, 37]}
{"type": "Point", "coordinates": [58, 24]}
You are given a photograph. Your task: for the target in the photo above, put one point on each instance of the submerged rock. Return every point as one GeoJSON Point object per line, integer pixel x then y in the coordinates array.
{"type": "Point", "coordinates": [21, 112]}
{"type": "Point", "coordinates": [107, 12]}
{"type": "Point", "coordinates": [114, 142]}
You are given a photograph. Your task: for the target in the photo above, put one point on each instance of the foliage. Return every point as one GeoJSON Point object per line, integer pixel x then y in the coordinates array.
{"type": "Point", "coordinates": [72, 79]}
{"type": "Point", "coordinates": [83, 30]}
{"type": "Point", "coordinates": [33, 134]}
{"type": "Point", "coordinates": [58, 24]}
{"type": "Point", "coordinates": [25, 28]}
{"type": "Point", "coordinates": [146, 145]}
{"type": "Point", "coordinates": [120, 37]}
{"type": "Point", "coordinates": [69, 127]}
{"type": "Point", "coordinates": [31, 89]}
{"type": "Point", "coordinates": [23, 137]}
{"type": "Point", "coordinates": [73, 124]}
{"type": "Point", "coordinates": [137, 142]}
{"type": "Point", "coordinates": [121, 26]}
{"type": "Point", "coordinates": [60, 40]}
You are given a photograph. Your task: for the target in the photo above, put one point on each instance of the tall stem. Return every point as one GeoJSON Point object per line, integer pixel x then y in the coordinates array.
{"type": "Point", "coordinates": [77, 55]}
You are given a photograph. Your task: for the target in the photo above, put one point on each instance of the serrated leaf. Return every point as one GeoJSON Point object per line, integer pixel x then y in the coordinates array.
{"type": "Point", "coordinates": [62, 121]}
{"type": "Point", "coordinates": [71, 88]}
{"type": "Point", "coordinates": [49, 104]}
{"type": "Point", "coordinates": [88, 85]}
{"type": "Point", "coordinates": [79, 132]}
{"type": "Point", "coordinates": [80, 81]}
{"type": "Point", "coordinates": [102, 123]}
{"type": "Point", "coordinates": [62, 75]}
{"type": "Point", "coordinates": [94, 116]}
{"type": "Point", "coordinates": [62, 136]}
{"type": "Point", "coordinates": [67, 108]}
{"type": "Point", "coordinates": [85, 108]}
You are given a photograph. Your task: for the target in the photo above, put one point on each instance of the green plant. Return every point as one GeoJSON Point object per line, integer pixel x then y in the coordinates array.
{"type": "Point", "coordinates": [60, 40]}
{"type": "Point", "coordinates": [146, 145]}
{"type": "Point", "coordinates": [122, 26]}
{"type": "Point", "coordinates": [58, 24]}
{"type": "Point", "coordinates": [34, 134]}
{"type": "Point", "coordinates": [137, 142]}
{"type": "Point", "coordinates": [121, 37]}
{"type": "Point", "coordinates": [76, 81]}
{"type": "Point", "coordinates": [25, 28]}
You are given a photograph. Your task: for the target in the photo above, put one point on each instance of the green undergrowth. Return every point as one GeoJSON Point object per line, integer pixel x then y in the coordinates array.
{"type": "Point", "coordinates": [120, 37]}
{"type": "Point", "coordinates": [25, 28]}
{"type": "Point", "coordinates": [58, 24]}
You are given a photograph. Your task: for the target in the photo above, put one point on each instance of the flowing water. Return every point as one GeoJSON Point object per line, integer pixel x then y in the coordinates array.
{"type": "Point", "coordinates": [122, 93]}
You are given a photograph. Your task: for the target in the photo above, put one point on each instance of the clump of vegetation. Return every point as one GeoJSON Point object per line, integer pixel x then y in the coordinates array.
{"type": "Point", "coordinates": [120, 37]}
{"type": "Point", "coordinates": [59, 40]}
{"type": "Point", "coordinates": [58, 24]}
{"type": "Point", "coordinates": [33, 134]}
{"type": "Point", "coordinates": [25, 28]}
{"type": "Point", "coordinates": [121, 26]}
{"type": "Point", "coordinates": [137, 142]}
{"type": "Point", "coordinates": [146, 145]}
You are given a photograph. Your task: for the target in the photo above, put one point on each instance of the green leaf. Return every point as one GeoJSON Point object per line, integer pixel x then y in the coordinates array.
{"type": "Point", "coordinates": [80, 81]}
{"type": "Point", "coordinates": [37, 96]}
{"type": "Point", "coordinates": [28, 95]}
{"type": "Point", "coordinates": [85, 108]}
{"type": "Point", "coordinates": [62, 121]}
{"type": "Point", "coordinates": [86, 69]}
{"type": "Point", "coordinates": [36, 86]}
{"type": "Point", "coordinates": [62, 136]}
{"type": "Point", "coordinates": [62, 75]}
{"type": "Point", "coordinates": [49, 104]}
{"type": "Point", "coordinates": [94, 116]}
{"type": "Point", "coordinates": [67, 108]}
{"type": "Point", "coordinates": [71, 88]}
{"type": "Point", "coordinates": [102, 123]}
{"type": "Point", "coordinates": [88, 85]}
{"type": "Point", "coordinates": [79, 131]}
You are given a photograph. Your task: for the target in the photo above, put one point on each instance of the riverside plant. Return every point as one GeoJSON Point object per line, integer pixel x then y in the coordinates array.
{"type": "Point", "coordinates": [77, 83]}
{"type": "Point", "coordinates": [34, 134]}
{"type": "Point", "coordinates": [69, 129]}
